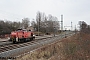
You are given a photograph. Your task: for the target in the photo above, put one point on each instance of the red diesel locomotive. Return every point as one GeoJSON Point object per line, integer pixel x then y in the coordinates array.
{"type": "Point", "coordinates": [21, 35]}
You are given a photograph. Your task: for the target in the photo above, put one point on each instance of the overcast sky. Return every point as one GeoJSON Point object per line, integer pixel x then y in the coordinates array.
{"type": "Point", "coordinates": [72, 10]}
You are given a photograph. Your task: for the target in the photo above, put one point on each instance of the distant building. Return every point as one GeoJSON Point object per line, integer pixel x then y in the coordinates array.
{"type": "Point", "coordinates": [30, 28]}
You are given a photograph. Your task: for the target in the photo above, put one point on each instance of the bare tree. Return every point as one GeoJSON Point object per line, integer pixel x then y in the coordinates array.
{"type": "Point", "coordinates": [45, 23]}
{"type": "Point", "coordinates": [84, 27]}
{"type": "Point", "coordinates": [25, 23]}
{"type": "Point", "coordinates": [53, 23]}
{"type": "Point", "coordinates": [38, 19]}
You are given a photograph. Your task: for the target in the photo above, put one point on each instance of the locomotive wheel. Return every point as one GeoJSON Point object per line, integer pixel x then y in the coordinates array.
{"type": "Point", "coordinates": [24, 39]}
{"type": "Point", "coordinates": [14, 42]}
{"type": "Point", "coordinates": [31, 39]}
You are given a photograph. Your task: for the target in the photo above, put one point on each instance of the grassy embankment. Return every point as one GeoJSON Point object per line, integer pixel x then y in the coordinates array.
{"type": "Point", "coordinates": [71, 48]}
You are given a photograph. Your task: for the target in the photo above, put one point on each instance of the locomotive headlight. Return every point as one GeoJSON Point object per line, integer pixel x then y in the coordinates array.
{"type": "Point", "coordinates": [34, 35]}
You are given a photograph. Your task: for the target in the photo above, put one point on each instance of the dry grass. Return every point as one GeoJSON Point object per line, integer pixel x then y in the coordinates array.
{"type": "Point", "coordinates": [72, 48]}
{"type": "Point", "coordinates": [44, 53]}
{"type": "Point", "coordinates": [77, 47]}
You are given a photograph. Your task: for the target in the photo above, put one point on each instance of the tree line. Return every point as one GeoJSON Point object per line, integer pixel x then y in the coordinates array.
{"type": "Point", "coordinates": [84, 27]}
{"type": "Point", "coordinates": [42, 23]}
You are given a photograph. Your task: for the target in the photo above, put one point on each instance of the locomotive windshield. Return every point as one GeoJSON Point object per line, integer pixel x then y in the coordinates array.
{"type": "Point", "coordinates": [18, 29]}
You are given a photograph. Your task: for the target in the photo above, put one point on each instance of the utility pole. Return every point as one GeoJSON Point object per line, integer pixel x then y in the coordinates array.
{"type": "Point", "coordinates": [71, 25]}
{"type": "Point", "coordinates": [54, 31]}
{"type": "Point", "coordinates": [61, 23]}
{"type": "Point", "coordinates": [38, 27]}
{"type": "Point", "coordinates": [39, 19]}
{"type": "Point", "coordinates": [75, 29]}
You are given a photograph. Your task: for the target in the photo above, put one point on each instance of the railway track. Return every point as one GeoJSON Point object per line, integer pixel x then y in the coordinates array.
{"type": "Point", "coordinates": [7, 47]}
{"type": "Point", "coordinates": [10, 51]}
{"type": "Point", "coordinates": [20, 49]}
{"type": "Point", "coordinates": [2, 44]}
